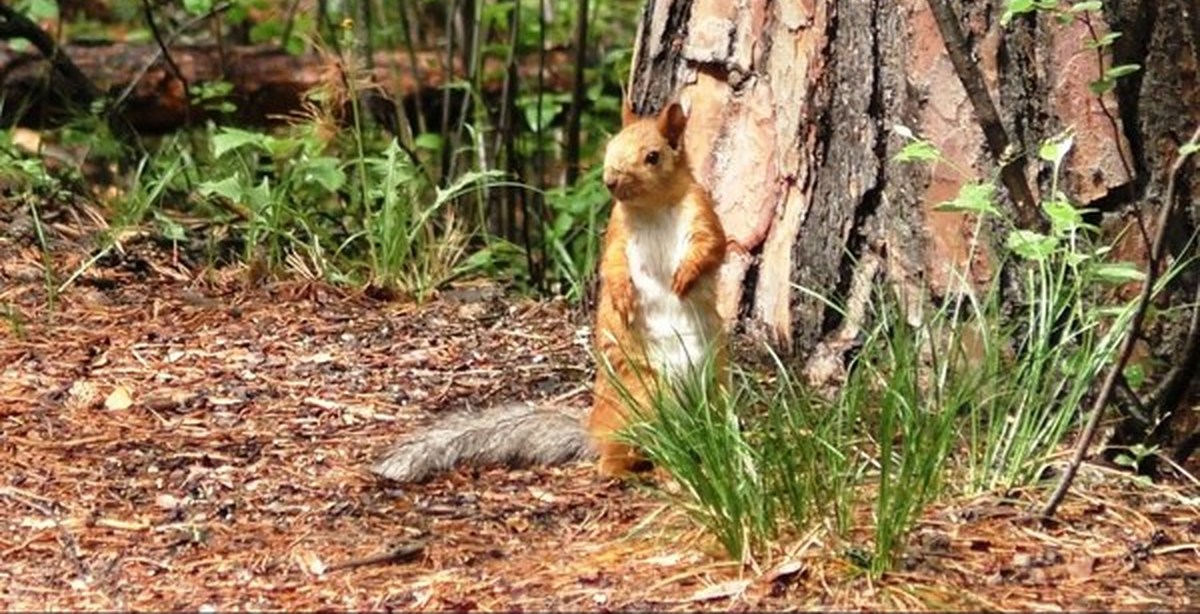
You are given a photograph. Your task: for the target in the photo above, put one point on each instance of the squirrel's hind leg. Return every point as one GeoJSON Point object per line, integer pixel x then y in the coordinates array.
{"type": "Point", "coordinates": [610, 415]}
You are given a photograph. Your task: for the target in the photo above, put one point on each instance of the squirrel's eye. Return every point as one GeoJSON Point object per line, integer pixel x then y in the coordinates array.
{"type": "Point", "coordinates": [652, 158]}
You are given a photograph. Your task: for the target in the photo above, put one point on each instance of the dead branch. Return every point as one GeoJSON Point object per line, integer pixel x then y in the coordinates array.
{"type": "Point", "coordinates": [1012, 164]}
{"type": "Point", "coordinates": [1131, 335]}
{"type": "Point", "coordinates": [403, 553]}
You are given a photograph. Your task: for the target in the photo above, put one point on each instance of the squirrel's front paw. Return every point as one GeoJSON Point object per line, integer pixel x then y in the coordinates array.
{"type": "Point", "coordinates": [683, 281]}
{"type": "Point", "coordinates": [624, 300]}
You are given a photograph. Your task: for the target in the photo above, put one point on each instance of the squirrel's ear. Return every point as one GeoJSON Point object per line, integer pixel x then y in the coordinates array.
{"type": "Point", "coordinates": [627, 114]}
{"type": "Point", "coordinates": [671, 122]}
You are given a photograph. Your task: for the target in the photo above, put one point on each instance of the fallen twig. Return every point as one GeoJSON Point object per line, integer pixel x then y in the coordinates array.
{"type": "Point", "coordinates": [403, 553]}
{"type": "Point", "coordinates": [1126, 349]}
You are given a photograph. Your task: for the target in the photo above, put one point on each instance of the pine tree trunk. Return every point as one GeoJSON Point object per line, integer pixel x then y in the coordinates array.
{"type": "Point", "coordinates": [792, 105]}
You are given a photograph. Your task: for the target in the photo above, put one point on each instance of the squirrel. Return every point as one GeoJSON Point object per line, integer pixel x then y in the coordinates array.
{"type": "Point", "coordinates": [657, 316]}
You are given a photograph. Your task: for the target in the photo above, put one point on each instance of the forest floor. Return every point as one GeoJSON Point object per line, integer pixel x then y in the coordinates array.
{"type": "Point", "coordinates": [172, 439]}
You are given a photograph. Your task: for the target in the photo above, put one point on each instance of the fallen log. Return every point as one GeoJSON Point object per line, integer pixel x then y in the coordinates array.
{"type": "Point", "coordinates": [268, 83]}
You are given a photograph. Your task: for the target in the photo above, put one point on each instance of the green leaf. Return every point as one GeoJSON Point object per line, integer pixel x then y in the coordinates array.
{"type": "Point", "coordinates": [1141, 451]}
{"type": "Point", "coordinates": [230, 139]}
{"type": "Point", "coordinates": [1116, 72]}
{"type": "Point", "coordinates": [284, 147]}
{"type": "Point", "coordinates": [1031, 245]}
{"type": "Point", "coordinates": [1125, 461]}
{"type": "Point", "coordinates": [259, 196]}
{"type": "Point", "coordinates": [972, 198]}
{"type": "Point", "coordinates": [266, 31]}
{"type": "Point", "coordinates": [428, 141]}
{"type": "Point", "coordinates": [39, 10]}
{"type": "Point", "coordinates": [1117, 272]}
{"type": "Point", "coordinates": [1014, 8]}
{"type": "Point", "coordinates": [1135, 376]}
{"type": "Point", "coordinates": [1189, 148]}
{"type": "Point", "coordinates": [198, 7]}
{"type": "Point", "coordinates": [1055, 148]}
{"type": "Point", "coordinates": [918, 151]}
{"type": "Point", "coordinates": [229, 187]}
{"type": "Point", "coordinates": [1064, 217]}
{"type": "Point", "coordinates": [1075, 259]}
{"type": "Point", "coordinates": [1100, 87]}
{"type": "Point", "coordinates": [170, 229]}
{"type": "Point", "coordinates": [323, 171]}
{"type": "Point", "coordinates": [1104, 41]}
{"type": "Point", "coordinates": [550, 105]}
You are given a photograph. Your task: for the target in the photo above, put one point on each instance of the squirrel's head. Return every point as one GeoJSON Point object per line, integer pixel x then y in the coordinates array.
{"type": "Point", "coordinates": [644, 164]}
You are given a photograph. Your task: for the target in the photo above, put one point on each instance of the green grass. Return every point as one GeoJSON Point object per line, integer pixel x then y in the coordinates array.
{"type": "Point", "coordinates": [693, 430]}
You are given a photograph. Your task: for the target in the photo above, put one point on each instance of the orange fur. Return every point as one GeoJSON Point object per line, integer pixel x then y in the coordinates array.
{"type": "Point", "coordinates": [648, 174]}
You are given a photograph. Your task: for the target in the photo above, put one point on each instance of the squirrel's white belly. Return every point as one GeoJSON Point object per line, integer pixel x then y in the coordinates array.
{"type": "Point", "coordinates": [676, 331]}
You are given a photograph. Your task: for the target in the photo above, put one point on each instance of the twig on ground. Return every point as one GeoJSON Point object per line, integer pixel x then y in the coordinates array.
{"type": "Point", "coordinates": [404, 553]}
{"type": "Point", "coordinates": [1131, 335]}
{"type": "Point", "coordinates": [65, 539]}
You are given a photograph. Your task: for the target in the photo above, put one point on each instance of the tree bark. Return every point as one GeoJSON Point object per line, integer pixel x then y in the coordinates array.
{"type": "Point", "coordinates": [792, 105]}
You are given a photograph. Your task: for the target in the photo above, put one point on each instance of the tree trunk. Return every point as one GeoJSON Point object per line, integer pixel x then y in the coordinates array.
{"type": "Point", "coordinates": [792, 105]}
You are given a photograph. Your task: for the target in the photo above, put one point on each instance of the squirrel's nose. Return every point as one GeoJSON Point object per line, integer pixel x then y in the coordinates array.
{"type": "Point", "coordinates": [611, 181]}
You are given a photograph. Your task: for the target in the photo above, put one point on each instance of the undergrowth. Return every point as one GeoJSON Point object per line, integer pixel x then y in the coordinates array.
{"type": "Point", "coordinates": [961, 399]}
{"type": "Point", "coordinates": [455, 181]}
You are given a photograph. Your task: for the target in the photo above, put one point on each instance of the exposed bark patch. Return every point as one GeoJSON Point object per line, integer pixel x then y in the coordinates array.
{"type": "Point", "coordinates": [795, 66]}
{"type": "Point", "coordinates": [1095, 165]}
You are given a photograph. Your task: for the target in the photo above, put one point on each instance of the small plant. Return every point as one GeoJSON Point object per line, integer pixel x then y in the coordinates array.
{"type": "Point", "coordinates": [1135, 455]}
{"type": "Point", "coordinates": [906, 423]}
{"type": "Point", "coordinates": [1061, 338]}
{"type": "Point", "coordinates": [16, 323]}
{"type": "Point", "coordinates": [806, 446]}
{"type": "Point", "coordinates": [278, 185]}
{"type": "Point", "coordinates": [214, 97]}
{"type": "Point", "coordinates": [414, 244]}
{"type": "Point", "coordinates": [573, 234]}
{"type": "Point", "coordinates": [32, 184]}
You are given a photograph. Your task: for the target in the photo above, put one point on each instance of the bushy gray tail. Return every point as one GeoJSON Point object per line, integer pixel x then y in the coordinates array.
{"type": "Point", "coordinates": [517, 435]}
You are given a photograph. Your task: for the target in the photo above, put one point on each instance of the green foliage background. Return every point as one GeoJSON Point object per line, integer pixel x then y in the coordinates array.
{"type": "Point", "coordinates": [463, 182]}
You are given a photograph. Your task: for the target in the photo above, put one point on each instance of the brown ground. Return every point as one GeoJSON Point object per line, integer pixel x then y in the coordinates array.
{"type": "Point", "coordinates": [172, 440]}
